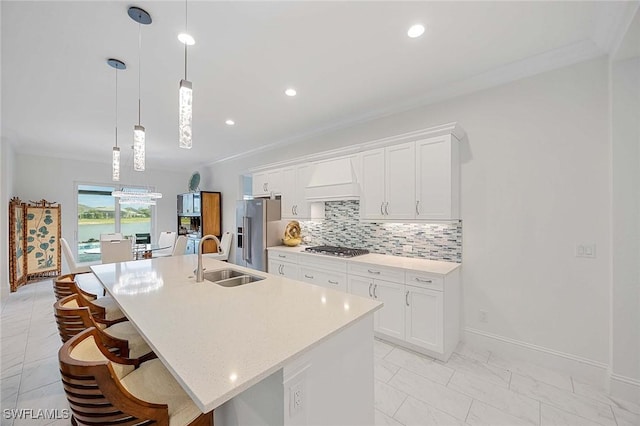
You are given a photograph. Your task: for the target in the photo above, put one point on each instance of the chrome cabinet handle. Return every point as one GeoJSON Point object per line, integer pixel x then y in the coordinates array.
{"type": "Point", "coordinates": [370, 285]}
{"type": "Point", "coordinates": [293, 212]}
{"type": "Point", "coordinates": [417, 209]}
{"type": "Point", "coordinates": [381, 206]}
{"type": "Point", "coordinates": [374, 291]}
{"type": "Point", "coordinates": [406, 298]}
{"type": "Point", "coordinates": [333, 282]}
{"type": "Point", "coordinates": [373, 272]}
{"type": "Point", "coordinates": [386, 208]}
{"type": "Point", "coordinates": [420, 280]}
{"type": "Point", "coordinates": [282, 255]}
{"type": "Point", "coordinates": [308, 276]}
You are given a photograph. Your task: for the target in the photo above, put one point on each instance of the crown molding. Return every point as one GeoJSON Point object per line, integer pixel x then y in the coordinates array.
{"type": "Point", "coordinates": [613, 22]}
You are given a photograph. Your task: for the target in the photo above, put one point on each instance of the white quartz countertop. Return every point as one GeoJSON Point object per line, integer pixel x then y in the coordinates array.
{"type": "Point", "coordinates": [408, 263]}
{"type": "Point", "coordinates": [219, 341]}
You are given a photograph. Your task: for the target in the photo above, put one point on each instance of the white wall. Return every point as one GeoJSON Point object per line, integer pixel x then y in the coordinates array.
{"type": "Point", "coordinates": [626, 226]}
{"type": "Point", "coordinates": [7, 158]}
{"type": "Point", "coordinates": [54, 179]}
{"type": "Point", "coordinates": [535, 181]}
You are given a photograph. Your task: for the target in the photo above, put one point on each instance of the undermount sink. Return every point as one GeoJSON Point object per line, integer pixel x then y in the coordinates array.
{"type": "Point", "coordinates": [230, 277]}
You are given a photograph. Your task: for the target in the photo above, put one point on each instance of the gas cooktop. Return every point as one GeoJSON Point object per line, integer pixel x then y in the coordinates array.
{"type": "Point", "coordinates": [336, 251]}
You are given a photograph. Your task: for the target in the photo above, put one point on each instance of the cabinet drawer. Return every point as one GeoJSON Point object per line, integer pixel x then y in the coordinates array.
{"type": "Point", "coordinates": [333, 280]}
{"type": "Point", "coordinates": [283, 256]}
{"type": "Point", "coordinates": [323, 262]}
{"type": "Point", "coordinates": [421, 279]}
{"type": "Point", "coordinates": [377, 272]}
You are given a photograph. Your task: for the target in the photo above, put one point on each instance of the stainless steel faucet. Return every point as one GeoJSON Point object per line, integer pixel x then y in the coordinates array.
{"type": "Point", "coordinates": [200, 270]}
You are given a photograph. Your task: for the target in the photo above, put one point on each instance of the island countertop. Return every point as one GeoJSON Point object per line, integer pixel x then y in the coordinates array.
{"type": "Point", "coordinates": [219, 341]}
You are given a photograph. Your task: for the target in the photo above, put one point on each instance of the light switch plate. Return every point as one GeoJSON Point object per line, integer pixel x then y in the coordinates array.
{"type": "Point", "coordinates": [586, 250]}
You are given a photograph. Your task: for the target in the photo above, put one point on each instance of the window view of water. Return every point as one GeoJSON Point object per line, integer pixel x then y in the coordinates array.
{"type": "Point", "coordinates": [97, 213]}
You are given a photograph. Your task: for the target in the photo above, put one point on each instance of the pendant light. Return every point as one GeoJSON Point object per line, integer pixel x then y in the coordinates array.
{"type": "Point", "coordinates": [185, 93]}
{"type": "Point", "coordinates": [141, 17]}
{"type": "Point", "coordinates": [115, 156]}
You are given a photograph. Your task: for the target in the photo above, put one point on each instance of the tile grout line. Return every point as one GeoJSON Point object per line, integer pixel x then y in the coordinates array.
{"type": "Point", "coordinates": [469, 409]}
{"type": "Point", "coordinates": [403, 401]}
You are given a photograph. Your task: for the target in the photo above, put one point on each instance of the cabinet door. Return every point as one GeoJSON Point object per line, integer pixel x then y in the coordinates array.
{"type": "Point", "coordinates": [400, 181]}
{"type": "Point", "coordinates": [437, 179]}
{"type": "Point", "coordinates": [391, 317]}
{"type": "Point", "coordinates": [283, 269]}
{"type": "Point", "coordinates": [274, 181]}
{"type": "Point", "coordinates": [312, 276]}
{"type": "Point", "coordinates": [288, 199]}
{"type": "Point", "coordinates": [187, 204]}
{"type": "Point", "coordinates": [372, 199]}
{"type": "Point", "coordinates": [259, 184]}
{"type": "Point", "coordinates": [303, 175]}
{"type": "Point", "coordinates": [424, 318]}
{"type": "Point", "coordinates": [360, 286]}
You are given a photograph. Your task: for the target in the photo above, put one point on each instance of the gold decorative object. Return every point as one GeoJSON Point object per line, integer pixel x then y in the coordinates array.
{"type": "Point", "coordinates": [292, 234]}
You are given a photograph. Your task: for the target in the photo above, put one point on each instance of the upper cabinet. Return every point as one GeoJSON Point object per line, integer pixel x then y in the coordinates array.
{"type": "Point", "coordinates": [294, 204]}
{"type": "Point", "coordinates": [412, 177]}
{"type": "Point", "coordinates": [267, 183]}
{"type": "Point", "coordinates": [437, 179]}
{"type": "Point", "coordinates": [411, 181]}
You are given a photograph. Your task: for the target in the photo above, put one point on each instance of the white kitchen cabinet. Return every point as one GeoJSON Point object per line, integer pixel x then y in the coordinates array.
{"type": "Point", "coordinates": [424, 318]}
{"type": "Point", "coordinates": [400, 181]}
{"type": "Point", "coordinates": [437, 180]}
{"type": "Point", "coordinates": [389, 320]}
{"type": "Point", "coordinates": [324, 278]}
{"type": "Point", "coordinates": [267, 183]}
{"type": "Point", "coordinates": [294, 204]}
{"type": "Point", "coordinates": [388, 183]}
{"type": "Point", "coordinates": [373, 190]}
{"type": "Point", "coordinates": [284, 269]}
{"type": "Point", "coordinates": [391, 317]}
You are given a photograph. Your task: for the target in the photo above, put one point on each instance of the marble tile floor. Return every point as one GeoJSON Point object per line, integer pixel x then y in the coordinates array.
{"type": "Point", "coordinates": [474, 388]}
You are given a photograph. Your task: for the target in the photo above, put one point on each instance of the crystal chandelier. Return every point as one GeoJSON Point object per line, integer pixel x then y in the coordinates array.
{"type": "Point", "coordinates": [115, 153]}
{"type": "Point", "coordinates": [136, 196]}
{"type": "Point", "coordinates": [141, 17]}
{"type": "Point", "coordinates": [185, 93]}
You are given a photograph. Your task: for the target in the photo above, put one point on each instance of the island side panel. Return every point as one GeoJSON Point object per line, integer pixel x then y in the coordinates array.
{"type": "Point", "coordinates": [334, 380]}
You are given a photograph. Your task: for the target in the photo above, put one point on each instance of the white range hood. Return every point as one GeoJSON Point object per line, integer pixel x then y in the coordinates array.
{"type": "Point", "coordinates": [333, 180]}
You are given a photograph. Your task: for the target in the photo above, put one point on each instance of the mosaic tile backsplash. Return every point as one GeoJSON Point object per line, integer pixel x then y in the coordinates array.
{"type": "Point", "coordinates": [342, 227]}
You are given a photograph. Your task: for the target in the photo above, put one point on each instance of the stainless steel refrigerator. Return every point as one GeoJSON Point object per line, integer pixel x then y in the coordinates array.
{"type": "Point", "coordinates": [259, 226]}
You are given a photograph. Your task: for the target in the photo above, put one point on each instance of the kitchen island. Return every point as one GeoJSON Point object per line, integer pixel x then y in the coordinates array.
{"type": "Point", "coordinates": [274, 351]}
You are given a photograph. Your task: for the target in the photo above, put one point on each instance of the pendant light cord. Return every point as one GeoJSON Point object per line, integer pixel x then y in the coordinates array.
{"type": "Point", "coordinates": [186, 30]}
{"type": "Point", "coordinates": [116, 106]}
{"type": "Point", "coordinates": [139, 66]}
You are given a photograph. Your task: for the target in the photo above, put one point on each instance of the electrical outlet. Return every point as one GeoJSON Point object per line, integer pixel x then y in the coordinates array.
{"type": "Point", "coordinates": [296, 398]}
{"type": "Point", "coordinates": [586, 250]}
{"type": "Point", "coordinates": [483, 316]}
{"type": "Point", "coordinates": [407, 248]}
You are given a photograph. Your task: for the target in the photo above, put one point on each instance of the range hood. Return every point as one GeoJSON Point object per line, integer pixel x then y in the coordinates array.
{"type": "Point", "coordinates": [333, 180]}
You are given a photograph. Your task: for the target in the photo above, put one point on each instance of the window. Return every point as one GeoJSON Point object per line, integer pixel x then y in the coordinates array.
{"type": "Point", "coordinates": [100, 213]}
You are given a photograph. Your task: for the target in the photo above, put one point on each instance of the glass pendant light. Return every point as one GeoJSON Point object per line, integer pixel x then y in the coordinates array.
{"type": "Point", "coordinates": [115, 156]}
{"type": "Point", "coordinates": [185, 93]}
{"type": "Point", "coordinates": [141, 17]}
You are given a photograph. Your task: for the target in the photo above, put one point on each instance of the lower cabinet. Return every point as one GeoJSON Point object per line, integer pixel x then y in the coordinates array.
{"type": "Point", "coordinates": [390, 320]}
{"type": "Point", "coordinates": [285, 269]}
{"type": "Point", "coordinates": [424, 318]}
{"type": "Point", "coordinates": [324, 278]}
{"type": "Point", "coordinates": [421, 310]}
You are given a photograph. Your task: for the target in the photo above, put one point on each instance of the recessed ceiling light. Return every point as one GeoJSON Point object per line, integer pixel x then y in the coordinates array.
{"type": "Point", "coordinates": [230, 122]}
{"type": "Point", "coordinates": [290, 92]}
{"type": "Point", "coordinates": [186, 39]}
{"type": "Point", "coordinates": [415, 31]}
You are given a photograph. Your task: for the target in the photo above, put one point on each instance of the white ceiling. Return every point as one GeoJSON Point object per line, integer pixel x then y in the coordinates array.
{"type": "Point", "coordinates": [349, 61]}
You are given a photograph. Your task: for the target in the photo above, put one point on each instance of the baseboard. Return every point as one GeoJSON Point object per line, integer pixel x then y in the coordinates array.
{"type": "Point", "coordinates": [583, 369]}
{"type": "Point", "coordinates": [623, 387]}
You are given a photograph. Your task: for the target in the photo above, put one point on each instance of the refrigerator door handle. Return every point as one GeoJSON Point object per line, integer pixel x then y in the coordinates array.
{"type": "Point", "coordinates": [246, 249]}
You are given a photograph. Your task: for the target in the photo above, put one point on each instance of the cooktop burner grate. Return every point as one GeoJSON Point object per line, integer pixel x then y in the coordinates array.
{"type": "Point", "coordinates": [336, 251]}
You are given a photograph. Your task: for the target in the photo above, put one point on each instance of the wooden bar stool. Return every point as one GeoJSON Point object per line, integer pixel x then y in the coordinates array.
{"type": "Point", "coordinates": [121, 338]}
{"type": "Point", "coordinates": [105, 389]}
{"type": "Point", "coordinates": [104, 308]}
